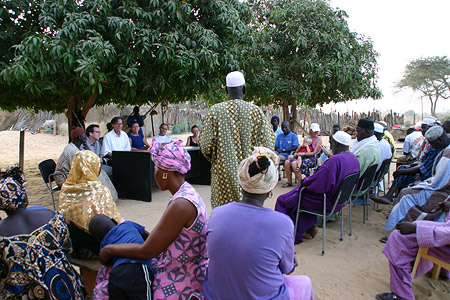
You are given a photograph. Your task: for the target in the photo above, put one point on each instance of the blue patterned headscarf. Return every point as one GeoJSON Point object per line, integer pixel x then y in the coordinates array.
{"type": "Point", "coordinates": [12, 188]}
{"type": "Point", "coordinates": [171, 157]}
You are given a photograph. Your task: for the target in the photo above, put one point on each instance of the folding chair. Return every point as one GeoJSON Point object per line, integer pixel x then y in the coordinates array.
{"type": "Point", "coordinates": [342, 195]}
{"type": "Point", "coordinates": [379, 175]}
{"type": "Point", "coordinates": [47, 168]}
{"type": "Point", "coordinates": [364, 183]}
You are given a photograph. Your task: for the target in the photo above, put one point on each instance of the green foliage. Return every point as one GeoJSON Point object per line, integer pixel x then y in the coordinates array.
{"type": "Point", "coordinates": [181, 127]}
{"type": "Point", "coordinates": [53, 53]}
{"type": "Point", "coordinates": [304, 53]}
{"type": "Point", "coordinates": [429, 76]}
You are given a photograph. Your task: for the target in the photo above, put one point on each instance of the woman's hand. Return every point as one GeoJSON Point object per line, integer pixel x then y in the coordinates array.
{"type": "Point", "coordinates": [104, 256]}
{"type": "Point", "coordinates": [445, 206]}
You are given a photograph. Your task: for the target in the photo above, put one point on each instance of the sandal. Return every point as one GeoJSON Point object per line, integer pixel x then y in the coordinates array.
{"type": "Point", "coordinates": [389, 296]}
{"type": "Point", "coordinates": [287, 184]}
{"type": "Point", "coordinates": [384, 239]}
{"type": "Point", "coordinates": [307, 236]}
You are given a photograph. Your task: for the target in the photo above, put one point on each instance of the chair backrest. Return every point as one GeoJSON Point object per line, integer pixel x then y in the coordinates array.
{"type": "Point", "coordinates": [382, 170]}
{"type": "Point", "coordinates": [47, 167]}
{"type": "Point", "coordinates": [366, 179]}
{"type": "Point", "coordinates": [346, 188]}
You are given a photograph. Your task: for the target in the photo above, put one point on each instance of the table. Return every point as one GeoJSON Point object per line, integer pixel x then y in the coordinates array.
{"type": "Point", "coordinates": [133, 172]}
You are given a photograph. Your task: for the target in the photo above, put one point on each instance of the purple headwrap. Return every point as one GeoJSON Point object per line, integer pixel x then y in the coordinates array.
{"type": "Point", "coordinates": [171, 157]}
{"type": "Point", "coordinates": [12, 188]}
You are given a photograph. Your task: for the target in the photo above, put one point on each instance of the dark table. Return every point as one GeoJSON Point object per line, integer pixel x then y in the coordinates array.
{"type": "Point", "coordinates": [133, 172]}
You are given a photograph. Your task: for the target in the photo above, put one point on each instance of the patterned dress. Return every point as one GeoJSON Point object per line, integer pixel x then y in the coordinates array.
{"type": "Point", "coordinates": [181, 268]}
{"type": "Point", "coordinates": [230, 131]}
{"type": "Point", "coordinates": [35, 265]}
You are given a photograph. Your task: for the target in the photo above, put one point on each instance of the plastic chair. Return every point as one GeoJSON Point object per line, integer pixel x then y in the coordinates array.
{"type": "Point", "coordinates": [342, 195]}
{"type": "Point", "coordinates": [47, 168]}
{"type": "Point", "coordinates": [364, 183]}
{"type": "Point", "coordinates": [437, 263]}
{"type": "Point", "coordinates": [379, 175]}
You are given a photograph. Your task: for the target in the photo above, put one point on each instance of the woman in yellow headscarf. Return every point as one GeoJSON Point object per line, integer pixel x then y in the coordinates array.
{"type": "Point", "coordinates": [82, 197]}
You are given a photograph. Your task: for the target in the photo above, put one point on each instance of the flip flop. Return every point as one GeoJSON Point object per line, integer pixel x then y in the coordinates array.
{"type": "Point", "coordinates": [307, 236]}
{"type": "Point", "coordinates": [384, 239]}
{"type": "Point", "coordinates": [287, 184]}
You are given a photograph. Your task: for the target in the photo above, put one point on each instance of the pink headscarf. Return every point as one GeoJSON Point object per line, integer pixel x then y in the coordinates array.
{"type": "Point", "coordinates": [171, 157]}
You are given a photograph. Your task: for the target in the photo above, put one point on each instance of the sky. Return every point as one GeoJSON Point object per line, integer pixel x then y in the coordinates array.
{"type": "Point", "coordinates": [401, 31]}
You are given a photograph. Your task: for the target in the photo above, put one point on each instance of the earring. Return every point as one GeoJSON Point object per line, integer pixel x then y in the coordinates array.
{"type": "Point", "coordinates": [270, 194]}
{"type": "Point", "coordinates": [164, 176]}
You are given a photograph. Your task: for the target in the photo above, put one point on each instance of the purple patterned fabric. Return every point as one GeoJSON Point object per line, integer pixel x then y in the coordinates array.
{"type": "Point", "coordinates": [180, 270]}
{"type": "Point", "coordinates": [101, 284]}
{"type": "Point", "coordinates": [171, 157]}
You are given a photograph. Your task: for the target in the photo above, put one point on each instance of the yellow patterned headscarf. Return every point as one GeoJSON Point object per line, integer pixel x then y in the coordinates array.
{"type": "Point", "coordinates": [82, 195]}
{"type": "Point", "coordinates": [263, 182]}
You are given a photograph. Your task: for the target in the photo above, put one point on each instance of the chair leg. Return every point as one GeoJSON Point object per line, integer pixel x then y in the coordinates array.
{"type": "Point", "coordinates": [53, 201]}
{"type": "Point", "coordinates": [324, 225]}
{"type": "Point", "coordinates": [364, 209]}
{"type": "Point", "coordinates": [350, 217]}
{"type": "Point", "coordinates": [342, 224]}
{"type": "Point", "coordinates": [436, 272]}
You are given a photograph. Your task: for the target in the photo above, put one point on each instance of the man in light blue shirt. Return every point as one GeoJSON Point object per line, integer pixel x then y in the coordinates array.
{"type": "Point", "coordinates": [286, 142]}
{"type": "Point", "coordinates": [275, 121]}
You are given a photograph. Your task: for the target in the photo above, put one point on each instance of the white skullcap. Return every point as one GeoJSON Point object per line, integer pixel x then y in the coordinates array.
{"type": "Point", "coordinates": [342, 138]}
{"type": "Point", "coordinates": [418, 125]}
{"type": "Point", "coordinates": [378, 128]}
{"type": "Point", "coordinates": [235, 79]}
{"type": "Point", "coordinates": [431, 121]}
{"type": "Point", "coordinates": [314, 127]}
{"type": "Point", "coordinates": [434, 133]}
{"type": "Point", "coordinates": [382, 123]}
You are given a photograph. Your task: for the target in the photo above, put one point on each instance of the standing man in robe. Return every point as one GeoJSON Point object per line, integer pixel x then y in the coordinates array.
{"type": "Point", "coordinates": [229, 132]}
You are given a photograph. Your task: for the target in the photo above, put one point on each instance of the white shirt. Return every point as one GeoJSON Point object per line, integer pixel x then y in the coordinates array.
{"type": "Point", "coordinates": [413, 143]}
{"type": "Point", "coordinates": [163, 139]}
{"type": "Point", "coordinates": [113, 142]}
{"type": "Point", "coordinates": [385, 150]}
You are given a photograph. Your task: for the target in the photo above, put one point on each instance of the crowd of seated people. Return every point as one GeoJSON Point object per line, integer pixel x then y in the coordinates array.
{"type": "Point", "coordinates": [206, 249]}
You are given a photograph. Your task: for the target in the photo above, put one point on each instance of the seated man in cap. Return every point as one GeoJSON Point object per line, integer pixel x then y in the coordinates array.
{"type": "Point", "coordinates": [366, 147]}
{"type": "Point", "coordinates": [275, 121]}
{"type": "Point", "coordinates": [406, 175]}
{"type": "Point", "coordinates": [325, 180]}
{"type": "Point", "coordinates": [421, 201]}
{"type": "Point", "coordinates": [230, 131]}
{"type": "Point", "coordinates": [385, 148]}
{"type": "Point", "coordinates": [65, 159]}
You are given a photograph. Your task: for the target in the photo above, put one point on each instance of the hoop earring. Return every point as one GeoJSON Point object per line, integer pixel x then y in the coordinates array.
{"type": "Point", "coordinates": [164, 176]}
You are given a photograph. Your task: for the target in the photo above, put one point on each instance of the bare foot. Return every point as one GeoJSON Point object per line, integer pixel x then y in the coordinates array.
{"type": "Point", "coordinates": [381, 200]}
{"type": "Point", "coordinates": [313, 231]}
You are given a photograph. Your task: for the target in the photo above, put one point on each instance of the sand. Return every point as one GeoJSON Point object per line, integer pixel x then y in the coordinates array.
{"type": "Point", "coordinates": [351, 269]}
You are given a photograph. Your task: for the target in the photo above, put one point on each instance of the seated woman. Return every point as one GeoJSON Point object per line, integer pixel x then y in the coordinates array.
{"type": "Point", "coordinates": [82, 197]}
{"type": "Point", "coordinates": [296, 157]}
{"type": "Point", "coordinates": [34, 245]}
{"type": "Point", "coordinates": [137, 138]}
{"type": "Point", "coordinates": [250, 247]}
{"type": "Point", "coordinates": [309, 161]}
{"type": "Point", "coordinates": [193, 139]}
{"type": "Point", "coordinates": [177, 244]}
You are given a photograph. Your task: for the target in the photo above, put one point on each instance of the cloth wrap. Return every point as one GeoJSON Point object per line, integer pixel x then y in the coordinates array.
{"type": "Point", "coordinates": [12, 188]}
{"type": "Point", "coordinates": [171, 157]}
{"type": "Point", "coordinates": [261, 183]}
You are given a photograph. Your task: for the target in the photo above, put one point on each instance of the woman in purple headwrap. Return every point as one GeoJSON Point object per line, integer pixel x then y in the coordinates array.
{"type": "Point", "coordinates": [177, 244]}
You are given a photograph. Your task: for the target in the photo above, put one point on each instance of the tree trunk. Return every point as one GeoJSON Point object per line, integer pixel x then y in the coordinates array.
{"type": "Point", "coordinates": [286, 116]}
{"type": "Point", "coordinates": [76, 116]}
{"type": "Point", "coordinates": [293, 121]}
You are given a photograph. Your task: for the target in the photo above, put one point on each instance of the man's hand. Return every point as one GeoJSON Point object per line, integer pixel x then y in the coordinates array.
{"type": "Point", "coordinates": [105, 257]}
{"type": "Point", "coordinates": [445, 206]}
{"type": "Point", "coordinates": [406, 227]}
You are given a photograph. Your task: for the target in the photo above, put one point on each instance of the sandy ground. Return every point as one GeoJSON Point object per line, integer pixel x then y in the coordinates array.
{"type": "Point", "coordinates": [352, 269]}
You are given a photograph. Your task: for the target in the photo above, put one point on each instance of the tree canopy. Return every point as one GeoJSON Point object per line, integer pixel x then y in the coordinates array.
{"type": "Point", "coordinates": [429, 76]}
{"type": "Point", "coordinates": [305, 54]}
{"type": "Point", "coordinates": [70, 55]}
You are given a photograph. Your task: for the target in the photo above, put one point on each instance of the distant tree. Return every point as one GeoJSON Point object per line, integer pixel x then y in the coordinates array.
{"type": "Point", "coordinates": [430, 76]}
{"type": "Point", "coordinates": [305, 54]}
{"type": "Point", "coordinates": [71, 55]}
